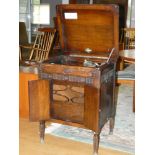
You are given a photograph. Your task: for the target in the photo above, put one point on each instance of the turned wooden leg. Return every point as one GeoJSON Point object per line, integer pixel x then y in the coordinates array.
{"type": "Point", "coordinates": [42, 131]}
{"type": "Point", "coordinates": [111, 125]}
{"type": "Point", "coordinates": [96, 140]}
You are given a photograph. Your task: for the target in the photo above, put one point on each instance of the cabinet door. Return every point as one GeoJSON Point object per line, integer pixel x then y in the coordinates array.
{"type": "Point", "coordinates": [39, 100]}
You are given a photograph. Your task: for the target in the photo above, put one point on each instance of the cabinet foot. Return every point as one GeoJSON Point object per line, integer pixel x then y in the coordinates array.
{"type": "Point", "coordinates": [42, 131]}
{"type": "Point", "coordinates": [111, 124]}
{"type": "Point", "coordinates": [96, 140]}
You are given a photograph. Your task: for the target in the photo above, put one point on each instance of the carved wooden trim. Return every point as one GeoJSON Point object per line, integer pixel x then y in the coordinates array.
{"type": "Point", "coordinates": [70, 78]}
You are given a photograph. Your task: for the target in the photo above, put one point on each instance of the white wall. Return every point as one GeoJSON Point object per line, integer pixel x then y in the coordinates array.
{"type": "Point", "coordinates": [65, 1]}
{"type": "Point", "coordinates": [53, 4]}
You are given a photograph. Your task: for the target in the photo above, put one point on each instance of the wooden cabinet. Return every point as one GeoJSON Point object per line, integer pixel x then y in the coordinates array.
{"type": "Point", "coordinates": [77, 87]}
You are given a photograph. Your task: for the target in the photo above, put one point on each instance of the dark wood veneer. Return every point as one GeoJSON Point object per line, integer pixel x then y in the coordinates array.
{"type": "Point", "coordinates": [77, 88]}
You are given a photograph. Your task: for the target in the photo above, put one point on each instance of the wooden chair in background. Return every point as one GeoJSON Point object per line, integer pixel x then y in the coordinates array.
{"type": "Point", "coordinates": [127, 39]}
{"type": "Point", "coordinates": [42, 45]}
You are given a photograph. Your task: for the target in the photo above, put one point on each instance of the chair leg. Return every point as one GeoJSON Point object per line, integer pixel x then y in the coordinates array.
{"type": "Point", "coordinates": [121, 64]}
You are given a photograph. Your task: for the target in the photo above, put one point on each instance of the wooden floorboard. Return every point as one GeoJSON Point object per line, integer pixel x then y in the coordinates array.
{"type": "Point", "coordinates": [30, 145]}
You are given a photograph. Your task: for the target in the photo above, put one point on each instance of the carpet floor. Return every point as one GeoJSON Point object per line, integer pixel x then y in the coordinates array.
{"type": "Point", "coordinates": [123, 138]}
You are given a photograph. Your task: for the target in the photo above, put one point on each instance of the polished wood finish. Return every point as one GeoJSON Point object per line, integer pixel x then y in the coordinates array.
{"type": "Point", "coordinates": [71, 111]}
{"type": "Point", "coordinates": [39, 100]}
{"type": "Point", "coordinates": [123, 10]}
{"type": "Point", "coordinates": [88, 63]}
{"type": "Point", "coordinates": [23, 93]}
{"type": "Point", "coordinates": [96, 33]}
{"type": "Point", "coordinates": [91, 115]}
{"type": "Point", "coordinates": [98, 94]}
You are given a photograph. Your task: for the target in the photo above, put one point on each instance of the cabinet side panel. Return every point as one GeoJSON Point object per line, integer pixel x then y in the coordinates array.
{"type": "Point", "coordinates": [107, 105]}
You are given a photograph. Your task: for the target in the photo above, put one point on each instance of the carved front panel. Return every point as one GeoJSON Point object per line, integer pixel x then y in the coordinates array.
{"type": "Point", "coordinates": [68, 93]}
{"type": "Point", "coordinates": [67, 102]}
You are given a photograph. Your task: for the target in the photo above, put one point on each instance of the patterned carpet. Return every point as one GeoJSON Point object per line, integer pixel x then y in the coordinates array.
{"type": "Point", "coordinates": [123, 137]}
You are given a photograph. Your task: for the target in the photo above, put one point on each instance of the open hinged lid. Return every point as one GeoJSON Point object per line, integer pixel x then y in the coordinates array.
{"type": "Point", "coordinates": [91, 27]}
